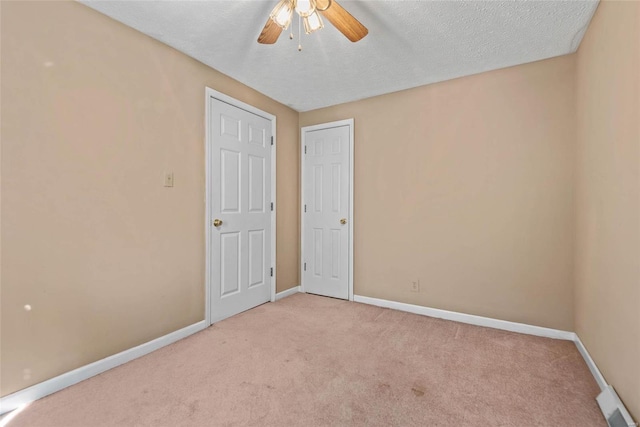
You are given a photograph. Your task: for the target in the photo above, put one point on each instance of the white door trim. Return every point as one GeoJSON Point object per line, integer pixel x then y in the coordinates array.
{"type": "Point", "coordinates": [347, 122]}
{"type": "Point", "coordinates": [211, 93]}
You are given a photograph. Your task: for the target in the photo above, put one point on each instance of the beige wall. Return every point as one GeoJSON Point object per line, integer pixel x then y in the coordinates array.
{"type": "Point", "coordinates": [607, 293]}
{"type": "Point", "coordinates": [93, 113]}
{"type": "Point", "coordinates": [467, 186]}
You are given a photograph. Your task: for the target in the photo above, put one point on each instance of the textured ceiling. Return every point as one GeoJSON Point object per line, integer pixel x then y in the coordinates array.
{"type": "Point", "coordinates": [410, 43]}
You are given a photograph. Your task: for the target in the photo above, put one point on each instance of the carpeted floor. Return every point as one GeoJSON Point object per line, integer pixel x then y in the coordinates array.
{"type": "Point", "coordinates": [313, 361]}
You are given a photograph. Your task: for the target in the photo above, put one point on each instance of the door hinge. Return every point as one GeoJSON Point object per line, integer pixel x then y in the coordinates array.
{"type": "Point", "coordinates": [272, 206]}
{"type": "Point", "coordinates": [305, 149]}
{"type": "Point", "coordinates": [305, 266]}
{"type": "Point", "coordinates": [305, 207]}
{"type": "Point", "coordinates": [271, 140]}
{"type": "Point", "coordinates": [271, 271]}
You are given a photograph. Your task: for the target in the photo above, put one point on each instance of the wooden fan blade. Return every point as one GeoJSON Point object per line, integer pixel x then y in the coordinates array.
{"type": "Point", "coordinates": [270, 32]}
{"type": "Point", "coordinates": [342, 20]}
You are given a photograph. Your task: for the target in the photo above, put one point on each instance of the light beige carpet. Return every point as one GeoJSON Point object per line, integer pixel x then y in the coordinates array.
{"type": "Point", "coordinates": [314, 361]}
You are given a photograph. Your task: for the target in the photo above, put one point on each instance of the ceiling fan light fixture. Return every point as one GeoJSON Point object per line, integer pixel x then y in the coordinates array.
{"type": "Point", "coordinates": [312, 22]}
{"type": "Point", "coordinates": [312, 13]}
{"type": "Point", "coordinates": [282, 13]}
{"type": "Point", "coordinates": [305, 7]}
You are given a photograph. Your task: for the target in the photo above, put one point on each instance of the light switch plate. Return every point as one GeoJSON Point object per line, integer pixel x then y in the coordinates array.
{"type": "Point", "coordinates": [168, 179]}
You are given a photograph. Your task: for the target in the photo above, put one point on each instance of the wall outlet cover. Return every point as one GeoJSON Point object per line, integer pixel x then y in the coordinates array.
{"type": "Point", "coordinates": [415, 285]}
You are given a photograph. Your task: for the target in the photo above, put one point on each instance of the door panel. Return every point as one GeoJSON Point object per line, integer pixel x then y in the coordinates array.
{"type": "Point", "coordinates": [318, 249]}
{"type": "Point", "coordinates": [230, 180]}
{"type": "Point", "coordinates": [335, 254]}
{"type": "Point", "coordinates": [257, 136]}
{"type": "Point", "coordinates": [240, 198]}
{"type": "Point", "coordinates": [256, 183]}
{"type": "Point", "coordinates": [335, 187]}
{"type": "Point", "coordinates": [256, 257]}
{"type": "Point", "coordinates": [229, 263]}
{"type": "Point", "coordinates": [317, 187]}
{"type": "Point", "coordinates": [326, 198]}
{"type": "Point", "coordinates": [230, 127]}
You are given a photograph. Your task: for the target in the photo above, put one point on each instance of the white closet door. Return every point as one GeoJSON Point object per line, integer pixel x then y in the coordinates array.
{"type": "Point", "coordinates": [241, 202]}
{"type": "Point", "coordinates": [326, 189]}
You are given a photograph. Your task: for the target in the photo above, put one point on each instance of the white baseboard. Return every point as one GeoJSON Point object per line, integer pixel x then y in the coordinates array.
{"type": "Point", "coordinates": [602, 383]}
{"type": "Point", "coordinates": [469, 318]}
{"type": "Point", "coordinates": [608, 399]}
{"type": "Point", "coordinates": [287, 293]}
{"type": "Point", "coordinates": [45, 388]}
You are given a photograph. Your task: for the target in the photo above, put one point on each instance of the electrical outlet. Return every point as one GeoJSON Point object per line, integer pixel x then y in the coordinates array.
{"type": "Point", "coordinates": [415, 285]}
{"type": "Point", "coordinates": [168, 179]}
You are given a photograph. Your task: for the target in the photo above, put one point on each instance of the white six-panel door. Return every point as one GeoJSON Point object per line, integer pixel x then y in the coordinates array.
{"type": "Point", "coordinates": [326, 209]}
{"type": "Point", "coordinates": [240, 209]}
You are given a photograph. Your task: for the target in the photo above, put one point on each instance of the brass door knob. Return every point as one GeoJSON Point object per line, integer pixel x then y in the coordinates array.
{"type": "Point", "coordinates": [217, 222]}
{"type": "Point", "coordinates": [343, 221]}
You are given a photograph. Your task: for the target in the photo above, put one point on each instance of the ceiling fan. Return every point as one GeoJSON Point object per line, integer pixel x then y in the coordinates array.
{"type": "Point", "coordinates": [311, 13]}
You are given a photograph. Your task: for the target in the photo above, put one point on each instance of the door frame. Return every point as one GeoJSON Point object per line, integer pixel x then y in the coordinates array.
{"type": "Point", "coordinates": [212, 93]}
{"type": "Point", "coordinates": [303, 130]}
